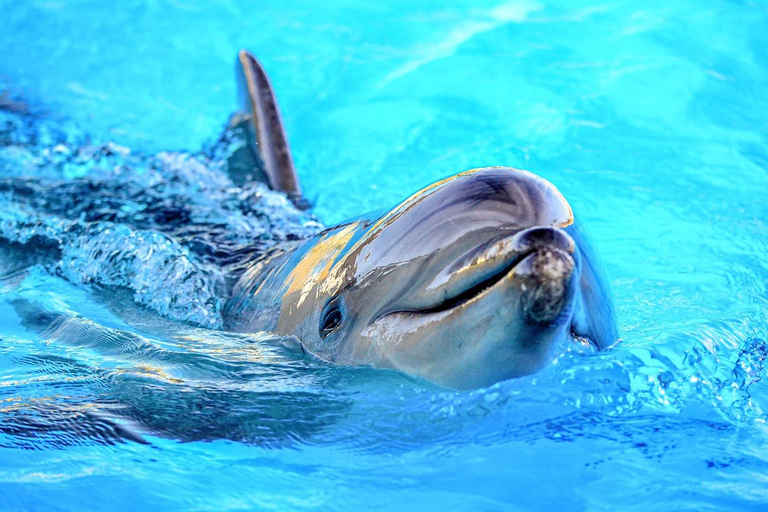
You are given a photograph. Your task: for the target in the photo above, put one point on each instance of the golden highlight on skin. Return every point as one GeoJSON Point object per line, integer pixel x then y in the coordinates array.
{"type": "Point", "coordinates": [314, 267]}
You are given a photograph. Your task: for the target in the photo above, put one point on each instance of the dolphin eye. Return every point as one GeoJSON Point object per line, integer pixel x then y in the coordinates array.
{"type": "Point", "coordinates": [332, 316]}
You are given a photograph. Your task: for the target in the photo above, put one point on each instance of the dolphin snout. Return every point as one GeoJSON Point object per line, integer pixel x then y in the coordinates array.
{"type": "Point", "coordinates": [489, 262]}
{"type": "Point", "coordinates": [547, 275]}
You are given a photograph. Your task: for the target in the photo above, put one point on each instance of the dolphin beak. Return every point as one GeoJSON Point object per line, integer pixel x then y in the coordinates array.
{"type": "Point", "coordinates": [538, 256]}
{"type": "Point", "coordinates": [547, 285]}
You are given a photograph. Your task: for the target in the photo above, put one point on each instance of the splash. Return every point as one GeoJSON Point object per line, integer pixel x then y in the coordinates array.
{"type": "Point", "coordinates": [171, 227]}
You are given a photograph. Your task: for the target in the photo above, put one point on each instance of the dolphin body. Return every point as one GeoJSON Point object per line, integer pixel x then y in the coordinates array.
{"type": "Point", "coordinates": [481, 277]}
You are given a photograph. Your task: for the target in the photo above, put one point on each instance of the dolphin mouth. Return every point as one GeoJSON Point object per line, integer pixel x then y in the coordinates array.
{"type": "Point", "coordinates": [543, 258]}
{"type": "Point", "coordinates": [477, 289]}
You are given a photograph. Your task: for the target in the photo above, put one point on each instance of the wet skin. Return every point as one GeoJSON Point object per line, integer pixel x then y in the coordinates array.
{"type": "Point", "coordinates": [478, 278]}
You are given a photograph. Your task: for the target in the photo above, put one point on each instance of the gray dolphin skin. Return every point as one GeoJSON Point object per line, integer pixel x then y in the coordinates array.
{"type": "Point", "coordinates": [478, 278]}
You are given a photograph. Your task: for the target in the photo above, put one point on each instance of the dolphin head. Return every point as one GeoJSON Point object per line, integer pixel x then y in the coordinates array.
{"type": "Point", "coordinates": [475, 279]}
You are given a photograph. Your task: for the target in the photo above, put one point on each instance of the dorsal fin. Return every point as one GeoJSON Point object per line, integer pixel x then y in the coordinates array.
{"type": "Point", "coordinates": [265, 127]}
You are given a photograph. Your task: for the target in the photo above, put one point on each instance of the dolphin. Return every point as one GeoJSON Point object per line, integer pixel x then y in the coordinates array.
{"type": "Point", "coordinates": [481, 277]}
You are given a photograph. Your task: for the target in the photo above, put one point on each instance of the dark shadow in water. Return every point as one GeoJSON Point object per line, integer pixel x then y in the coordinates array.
{"type": "Point", "coordinates": [179, 382]}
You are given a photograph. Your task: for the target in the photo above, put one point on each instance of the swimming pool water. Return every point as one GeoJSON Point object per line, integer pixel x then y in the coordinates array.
{"type": "Point", "coordinates": [648, 116]}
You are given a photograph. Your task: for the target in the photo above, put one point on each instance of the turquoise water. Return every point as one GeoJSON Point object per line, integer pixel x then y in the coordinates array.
{"type": "Point", "coordinates": [649, 117]}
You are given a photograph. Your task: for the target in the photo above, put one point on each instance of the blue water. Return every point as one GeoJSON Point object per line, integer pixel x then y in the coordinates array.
{"type": "Point", "coordinates": [649, 117]}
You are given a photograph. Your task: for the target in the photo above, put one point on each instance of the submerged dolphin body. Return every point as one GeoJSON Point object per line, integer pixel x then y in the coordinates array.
{"type": "Point", "coordinates": [475, 279]}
